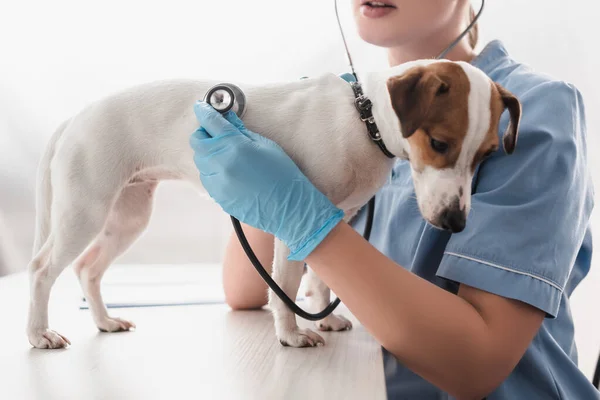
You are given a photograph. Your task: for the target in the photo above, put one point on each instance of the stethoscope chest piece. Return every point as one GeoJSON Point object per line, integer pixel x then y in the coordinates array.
{"type": "Point", "coordinates": [227, 97]}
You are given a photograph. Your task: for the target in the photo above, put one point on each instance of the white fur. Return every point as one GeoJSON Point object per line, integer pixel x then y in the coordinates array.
{"type": "Point", "coordinates": [101, 167]}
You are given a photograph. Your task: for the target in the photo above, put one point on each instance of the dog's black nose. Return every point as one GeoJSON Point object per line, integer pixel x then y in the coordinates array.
{"type": "Point", "coordinates": [453, 218]}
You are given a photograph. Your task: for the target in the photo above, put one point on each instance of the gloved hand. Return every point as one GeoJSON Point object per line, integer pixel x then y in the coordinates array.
{"type": "Point", "coordinates": [254, 180]}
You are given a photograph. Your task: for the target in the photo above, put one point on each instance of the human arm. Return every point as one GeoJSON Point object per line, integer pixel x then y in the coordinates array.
{"type": "Point", "coordinates": [243, 286]}
{"type": "Point", "coordinates": [466, 344]}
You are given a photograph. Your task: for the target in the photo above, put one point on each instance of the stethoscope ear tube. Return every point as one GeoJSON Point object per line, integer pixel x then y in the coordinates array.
{"type": "Point", "coordinates": [596, 379]}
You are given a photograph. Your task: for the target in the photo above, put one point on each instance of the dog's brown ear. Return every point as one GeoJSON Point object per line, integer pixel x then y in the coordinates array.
{"type": "Point", "coordinates": [509, 140]}
{"type": "Point", "coordinates": [412, 94]}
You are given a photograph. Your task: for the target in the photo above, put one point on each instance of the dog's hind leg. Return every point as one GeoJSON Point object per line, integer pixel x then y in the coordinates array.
{"type": "Point", "coordinates": [75, 222]}
{"type": "Point", "coordinates": [318, 297]}
{"type": "Point", "coordinates": [43, 198]}
{"type": "Point", "coordinates": [288, 275]}
{"type": "Point", "coordinates": [127, 219]}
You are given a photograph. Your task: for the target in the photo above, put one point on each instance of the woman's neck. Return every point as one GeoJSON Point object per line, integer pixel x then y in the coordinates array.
{"type": "Point", "coordinates": [430, 48]}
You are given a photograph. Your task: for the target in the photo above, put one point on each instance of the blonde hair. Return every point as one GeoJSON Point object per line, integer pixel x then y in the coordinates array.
{"type": "Point", "coordinates": [473, 34]}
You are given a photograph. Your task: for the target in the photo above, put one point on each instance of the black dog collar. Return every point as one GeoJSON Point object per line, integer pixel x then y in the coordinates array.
{"type": "Point", "coordinates": [364, 107]}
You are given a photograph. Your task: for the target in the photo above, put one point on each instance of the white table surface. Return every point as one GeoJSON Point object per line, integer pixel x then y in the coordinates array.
{"type": "Point", "coordinates": [177, 352]}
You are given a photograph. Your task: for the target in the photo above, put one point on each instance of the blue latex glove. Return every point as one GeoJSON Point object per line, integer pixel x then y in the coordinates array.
{"type": "Point", "coordinates": [254, 180]}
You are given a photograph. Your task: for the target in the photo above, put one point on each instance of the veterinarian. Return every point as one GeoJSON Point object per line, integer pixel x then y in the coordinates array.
{"type": "Point", "coordinates": [484, 312]}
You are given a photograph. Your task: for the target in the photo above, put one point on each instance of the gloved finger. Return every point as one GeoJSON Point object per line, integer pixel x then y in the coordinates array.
{"type": "Point", "coordinates": [199, 134]}
{"type": "Point", "coordinates": [238, 123]}
{"type": "Point", "coordinates": [235, 121]}
{"type": "Point", "coordinates": [223, 147]}
{"type": "Point", "coordinates": [205, 165]}
{"type": "Point", "coordinates": [200, 141]}
{"type": "Point", "coordinates": [212, 121]}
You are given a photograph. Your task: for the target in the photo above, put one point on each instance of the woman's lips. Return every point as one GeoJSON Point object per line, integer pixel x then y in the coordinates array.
{"type": "Point", "coordinates": [374, 9]}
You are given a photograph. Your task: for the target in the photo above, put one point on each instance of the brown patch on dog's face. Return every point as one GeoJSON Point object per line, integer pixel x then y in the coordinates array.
{"type": "Point", "coordinates": [449, 115]}
{"type": "Point", "coordinates": [432, 104]}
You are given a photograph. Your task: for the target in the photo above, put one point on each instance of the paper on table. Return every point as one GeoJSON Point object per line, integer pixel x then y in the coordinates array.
{"type": "Point", "coordinates": [156, 285]}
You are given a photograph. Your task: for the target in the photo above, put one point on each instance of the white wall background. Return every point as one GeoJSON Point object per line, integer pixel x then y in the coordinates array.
{"type": "Point", "coordinates": [57, 56]}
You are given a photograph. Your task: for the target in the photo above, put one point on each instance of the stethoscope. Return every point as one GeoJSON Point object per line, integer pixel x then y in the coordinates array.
{"type": "Point", "coordinates": [226, 97]}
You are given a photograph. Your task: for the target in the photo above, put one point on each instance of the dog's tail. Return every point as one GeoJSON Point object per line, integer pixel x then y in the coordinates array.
{"type": "Point", "coordinates": [43, 200]}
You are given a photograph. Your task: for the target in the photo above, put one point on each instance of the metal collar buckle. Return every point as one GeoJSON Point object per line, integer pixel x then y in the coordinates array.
{"type": "Point", "coordinates": [370, 119]}
{"type": "Point", "coordinates": [363, 103]}
{"type": "Point", "coordinates": [364, 106]}
{"type": "Point", "coordinates": [375, 136]}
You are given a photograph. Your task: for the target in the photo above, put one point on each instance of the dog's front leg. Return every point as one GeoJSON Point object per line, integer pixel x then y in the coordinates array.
{"type": "Point", "coordinates": [288, 275]}
{"type": "Point", "coordinates": [318, 297]}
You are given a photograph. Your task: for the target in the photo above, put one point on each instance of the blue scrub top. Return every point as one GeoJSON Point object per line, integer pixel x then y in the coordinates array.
{"type": "Point", "coordinates": [527, 236]}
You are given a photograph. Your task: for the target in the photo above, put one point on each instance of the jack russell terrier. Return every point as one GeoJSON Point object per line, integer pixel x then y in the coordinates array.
{"type": "Point", "coordinates": [98, 175]}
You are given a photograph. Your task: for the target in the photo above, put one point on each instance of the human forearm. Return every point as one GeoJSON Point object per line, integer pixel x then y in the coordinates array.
{"type": "Point", "coordinates": [243, 286]}
{"type": "Point", "coordinates": [438, 335]}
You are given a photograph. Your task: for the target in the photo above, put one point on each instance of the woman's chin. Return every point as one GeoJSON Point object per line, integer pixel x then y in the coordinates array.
{"type": "Point", "coordinates": [377, 37]}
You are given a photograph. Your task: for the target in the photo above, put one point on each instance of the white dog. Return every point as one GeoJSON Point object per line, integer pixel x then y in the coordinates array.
{"type": "Point", "coordinates": [101, 168]}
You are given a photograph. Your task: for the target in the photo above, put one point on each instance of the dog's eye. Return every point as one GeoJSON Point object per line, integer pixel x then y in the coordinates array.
{"type": "Point", "coordinates": [439, 147]}
{"type": "Point", "coordinates": [442, 89]}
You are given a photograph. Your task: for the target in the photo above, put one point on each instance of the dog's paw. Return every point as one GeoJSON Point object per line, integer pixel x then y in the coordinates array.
{"type": "Point", "coordinates": [300, 338]}
{"type": "Point", "coordinates": [334, 323]}
{"type": "Point", "coordinates": [47, 339]}
{"type": "Point", "coordinates": [110, 324]}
